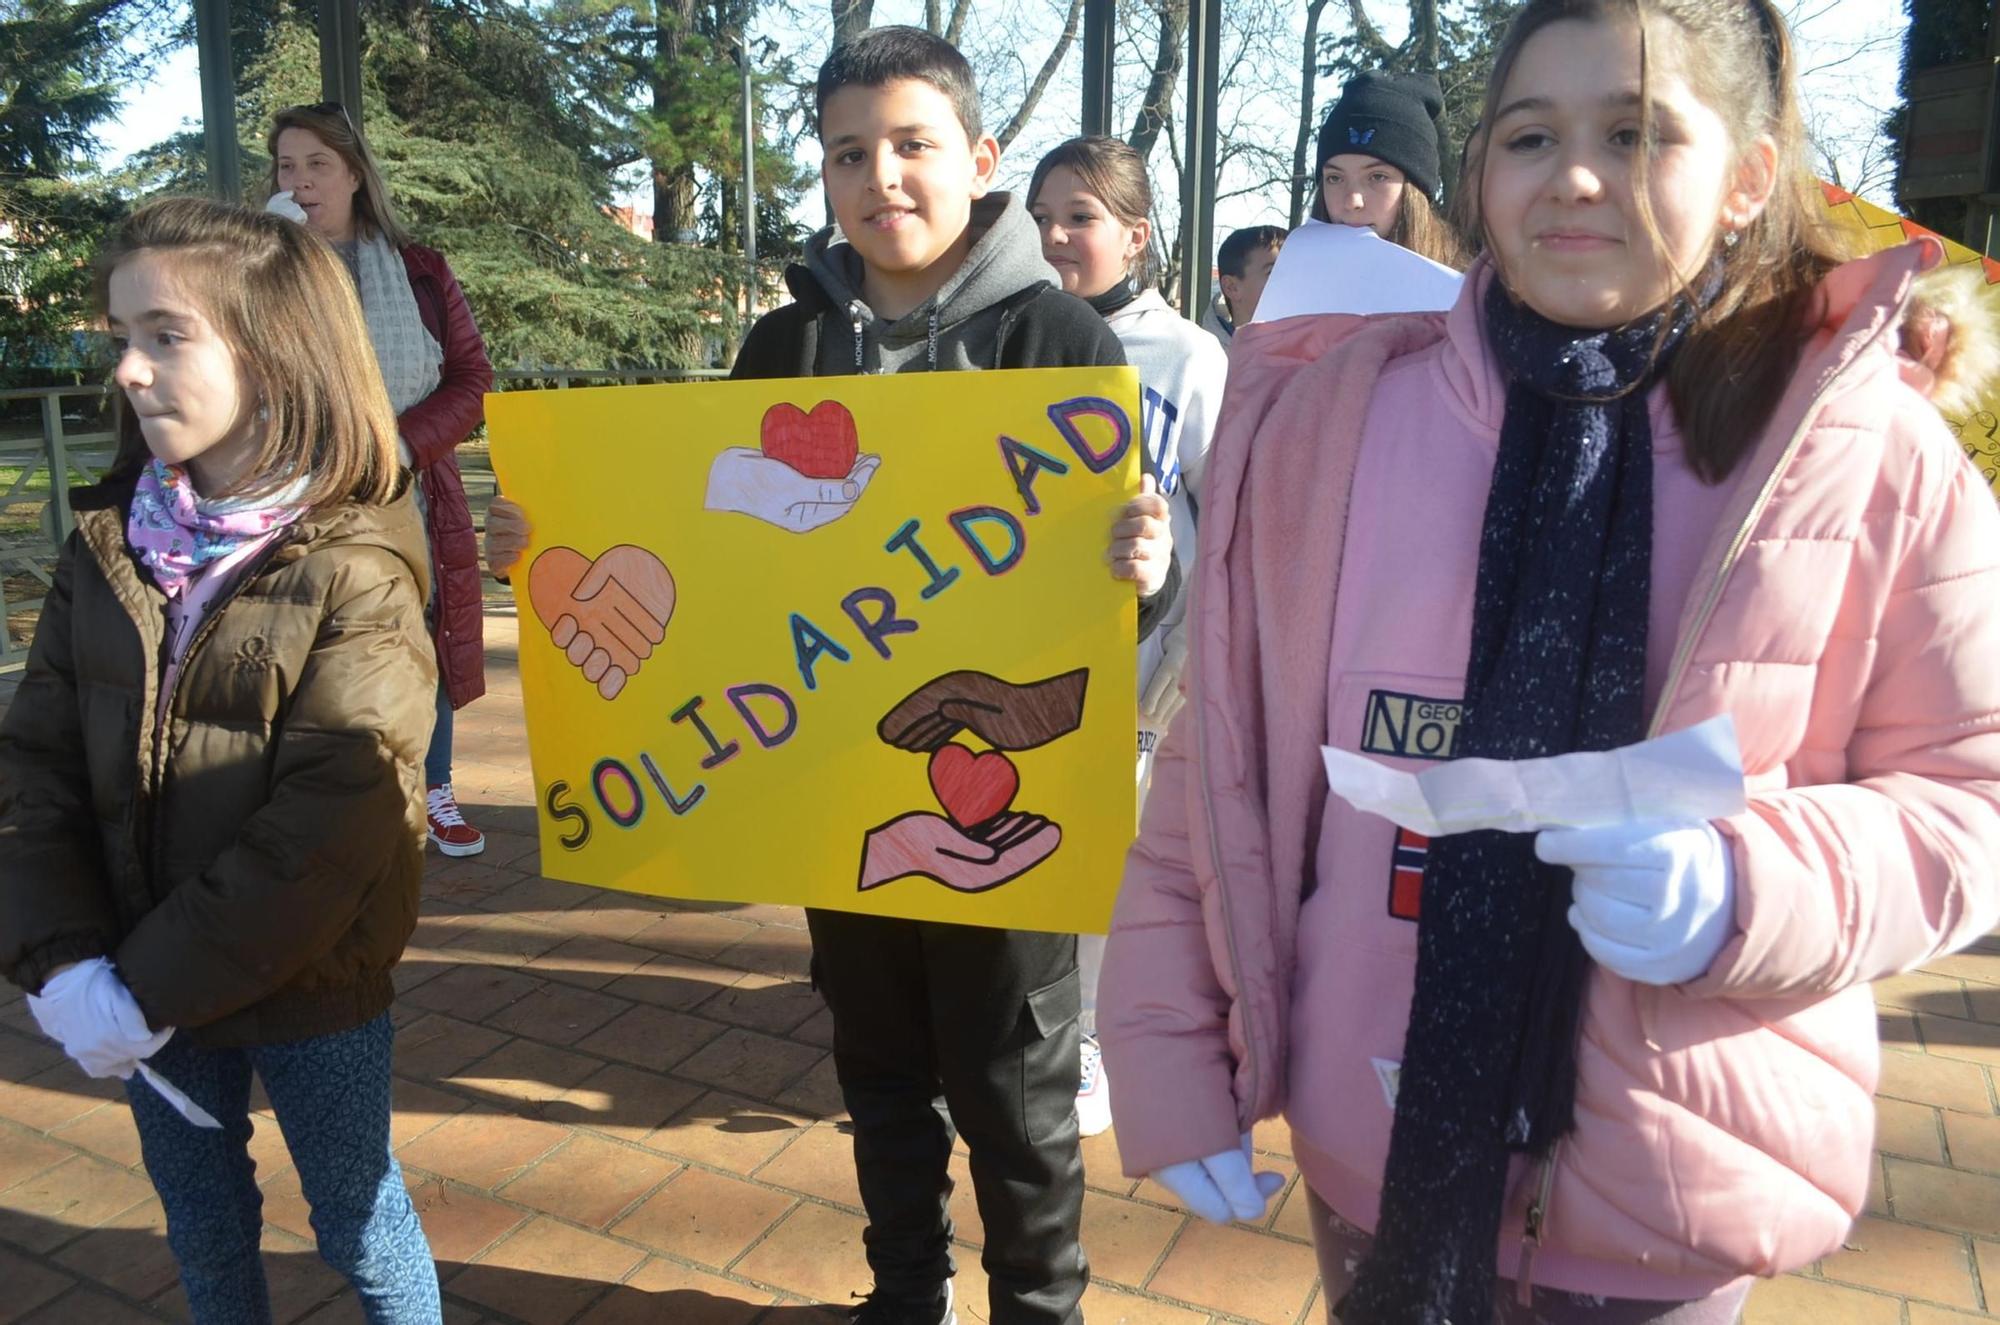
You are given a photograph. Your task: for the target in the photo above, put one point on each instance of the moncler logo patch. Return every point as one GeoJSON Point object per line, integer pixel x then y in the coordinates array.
{"type": "Point", "coordinates": [1410, 726]}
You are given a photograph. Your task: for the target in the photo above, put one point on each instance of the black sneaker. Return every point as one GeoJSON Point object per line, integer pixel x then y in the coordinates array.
{"type": "Point", "coordinates": [880, 1309]}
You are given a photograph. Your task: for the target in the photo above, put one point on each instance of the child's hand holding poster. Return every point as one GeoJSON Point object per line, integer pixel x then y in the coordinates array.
{"type": "Point", "coordinates": [848, 643]}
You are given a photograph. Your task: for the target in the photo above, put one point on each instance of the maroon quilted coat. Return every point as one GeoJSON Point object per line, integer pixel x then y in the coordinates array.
{"type": "Point", "coordinates": [433, 428]}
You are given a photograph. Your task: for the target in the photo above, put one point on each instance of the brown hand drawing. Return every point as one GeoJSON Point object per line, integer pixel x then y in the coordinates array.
{"type": "Point", "coordinates": [1004, 715]}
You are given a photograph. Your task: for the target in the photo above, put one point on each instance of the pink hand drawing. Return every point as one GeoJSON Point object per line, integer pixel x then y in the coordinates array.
{"type": "Point", "coordinates": [933, 847]}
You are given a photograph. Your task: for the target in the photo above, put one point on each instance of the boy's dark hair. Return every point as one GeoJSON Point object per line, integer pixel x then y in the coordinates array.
{"type": "Point", "coordinates": [880, 56]}
{"type": "Point", "coordinates": [1233, 259]}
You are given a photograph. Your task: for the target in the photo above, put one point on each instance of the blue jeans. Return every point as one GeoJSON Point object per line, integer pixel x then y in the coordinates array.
{"type": "Point", "coordinates": [331, 1097]}
{"type": "Point", "coordinates": [437, 760]}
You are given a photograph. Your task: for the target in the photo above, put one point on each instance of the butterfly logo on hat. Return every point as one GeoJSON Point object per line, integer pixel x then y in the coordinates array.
{"type": "Point", "coordinates": [1360, 137]}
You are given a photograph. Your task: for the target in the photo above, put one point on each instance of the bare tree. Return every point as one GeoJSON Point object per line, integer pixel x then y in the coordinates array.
{"type": "Point", "coordinates": [1250, 159]}
{"type": "Point", "coordinates": [1302, 178]}
{"type": "Point", "coordinates": [955, 31]}
{"type": "Point", "coordinates": [1023, 54]}
{"type": "Point", "coordinates": [851, 18]}
{"type": "Point", "coordinates": [1840, 99]}
{"type": "Point", "coordinates": [1169, 19]}
{"type": "Point", "coordinates": [1033, 97]}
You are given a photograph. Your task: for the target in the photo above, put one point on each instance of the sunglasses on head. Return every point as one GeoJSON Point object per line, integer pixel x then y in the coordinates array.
{"type": "Point", "coordinates": [323, 108]}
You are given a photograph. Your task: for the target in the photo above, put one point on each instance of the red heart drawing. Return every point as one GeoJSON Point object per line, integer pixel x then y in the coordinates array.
{"type": "Point", "coordinates": [822, 444]}
{"type": "Point", "coordinates": [973, 788]}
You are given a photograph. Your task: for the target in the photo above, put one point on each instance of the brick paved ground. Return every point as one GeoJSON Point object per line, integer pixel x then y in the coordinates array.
{"type": "Point", "coordinates": [613, 1109]}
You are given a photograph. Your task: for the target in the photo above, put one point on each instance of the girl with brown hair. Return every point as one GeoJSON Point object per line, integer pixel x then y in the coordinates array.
{"type": "Point", "coordinates": [208, 778]}
{"type": "Point", "coordinates": [1658, 464]}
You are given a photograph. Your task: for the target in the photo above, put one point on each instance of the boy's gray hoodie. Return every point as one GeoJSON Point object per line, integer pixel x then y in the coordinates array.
{"type": "Point", "coordinates": [962, 326]}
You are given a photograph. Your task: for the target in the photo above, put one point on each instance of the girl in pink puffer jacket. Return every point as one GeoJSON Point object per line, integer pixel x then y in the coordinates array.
{"type": "Point", "coordinates": [1658, 465]}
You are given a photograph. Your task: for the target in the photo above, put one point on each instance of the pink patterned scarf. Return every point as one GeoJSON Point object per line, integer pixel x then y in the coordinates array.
{"type": "Point", "coordinates": [176, 533]}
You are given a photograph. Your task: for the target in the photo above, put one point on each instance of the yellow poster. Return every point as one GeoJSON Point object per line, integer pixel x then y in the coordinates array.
{"type": "Point", "coordinates": [1979, 432]}
{"type": "Point", "coordinates": [840, 642]}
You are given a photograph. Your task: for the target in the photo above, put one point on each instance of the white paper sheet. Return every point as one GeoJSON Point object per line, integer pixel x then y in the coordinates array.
{"type": "Point", "coordinates": [1689, 776]}
{"type": "Point", "coordinates": [177, 1097]}
{"type": "Point", "coordinates": [1325, 268]}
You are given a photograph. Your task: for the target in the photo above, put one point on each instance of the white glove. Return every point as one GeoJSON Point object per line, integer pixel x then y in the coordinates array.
{"type": "Point", "coordinates": [281, 204]}
{"type": "Point", "coordinates": [88, 1010]}
{"type": "Point", "coordinates": [1652, 902]}
{"type": "Point", "coordinates": [1221, 1187]}
{"type": "Point", "coordinates": [1164, 696]}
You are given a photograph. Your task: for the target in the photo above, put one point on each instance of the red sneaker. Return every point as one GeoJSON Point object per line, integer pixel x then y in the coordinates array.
{"type": "Point", "coordinates": [449, 831]}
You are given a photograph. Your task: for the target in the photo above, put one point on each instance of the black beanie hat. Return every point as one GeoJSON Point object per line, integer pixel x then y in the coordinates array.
{"type": "Point", "coordinates": [1391, 117]}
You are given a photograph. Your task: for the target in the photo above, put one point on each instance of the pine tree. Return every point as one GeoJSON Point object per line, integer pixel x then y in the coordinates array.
{"type": "Point", "coordinates": [496, 153]}
{"type": "Point", "coordinates": [60, 66]}
{"type": "Point", "coordinates": [666, 75]}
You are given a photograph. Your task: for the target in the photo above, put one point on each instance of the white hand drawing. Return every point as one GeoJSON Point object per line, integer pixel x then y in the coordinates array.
{"type": "Point", "coordinates": [745, 481]}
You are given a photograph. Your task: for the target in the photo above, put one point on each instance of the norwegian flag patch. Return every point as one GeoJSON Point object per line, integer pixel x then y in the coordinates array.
{"type": "Point", "coordinates": [1406, 873]}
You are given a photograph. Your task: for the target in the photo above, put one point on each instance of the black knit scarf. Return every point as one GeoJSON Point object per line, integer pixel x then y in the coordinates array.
{"type": "Point", "coordinates": [1558, 663]}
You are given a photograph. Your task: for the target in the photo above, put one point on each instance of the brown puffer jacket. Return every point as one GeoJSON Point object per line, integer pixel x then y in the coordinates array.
{"type": "Point", "coordinates": [254, 871]}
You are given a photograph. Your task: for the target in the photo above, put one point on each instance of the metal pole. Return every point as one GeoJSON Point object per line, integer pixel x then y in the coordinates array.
{"type": "Point", "coordinates": [1198, 172]}
{"type": "Point", "coordinates": [749, 183]}
{"type": "Point", "coordinates": [340, 55]}
{"type": "Point", "coordinates": [1100, 23]}
{"type": "Point", "coordinates": [218, 99]}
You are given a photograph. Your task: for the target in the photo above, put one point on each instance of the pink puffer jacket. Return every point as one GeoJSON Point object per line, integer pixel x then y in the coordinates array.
{"type": "Point", "coordinates": [1844, 614]}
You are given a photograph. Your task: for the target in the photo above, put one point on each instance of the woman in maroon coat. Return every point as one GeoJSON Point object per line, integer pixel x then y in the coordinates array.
{"type": "Point", "coordinates": [435, 367]}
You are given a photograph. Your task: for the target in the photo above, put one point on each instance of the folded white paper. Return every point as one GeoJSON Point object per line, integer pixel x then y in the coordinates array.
{"type": "Point", "coordinates": [1326, 268]}
{"type": "Point", "coordinates": [1690, 776]}
{"type": "Point", "coordinates": [177, 1097]}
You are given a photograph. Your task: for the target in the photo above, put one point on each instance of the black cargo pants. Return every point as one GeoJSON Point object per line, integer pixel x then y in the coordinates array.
{"type": "Point", "coordinates": [936, 1026]}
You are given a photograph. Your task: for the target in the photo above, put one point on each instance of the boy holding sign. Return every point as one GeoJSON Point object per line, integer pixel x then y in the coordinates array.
{"type": "Point", "coordinates": [930, 270]}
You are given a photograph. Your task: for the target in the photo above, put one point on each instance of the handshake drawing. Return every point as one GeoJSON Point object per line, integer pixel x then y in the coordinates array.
{"type": "Point", "coordinates": [606, 615]}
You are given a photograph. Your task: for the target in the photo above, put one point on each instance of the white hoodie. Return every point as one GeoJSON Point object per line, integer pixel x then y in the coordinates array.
{"type": "Point", "coordinates": [1181, 372]}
